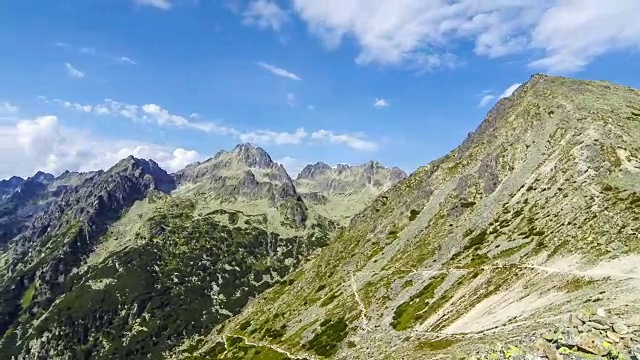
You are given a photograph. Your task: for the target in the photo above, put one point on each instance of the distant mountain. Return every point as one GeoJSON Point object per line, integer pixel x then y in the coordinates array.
{"type": "Point", "coordinates": [248, 178]}
{"type": "Point", "coordinates": [132, 261]}
{"type": "Point", "coordinates": [341, 191]}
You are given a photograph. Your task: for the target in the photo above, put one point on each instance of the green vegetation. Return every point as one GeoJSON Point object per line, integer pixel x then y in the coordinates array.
{"type": "Point", "coordinates": [577, 283]}
{"type": "Point", "coordinates": [190, 272]}
{"type": "Point", "coordinates": [411, 312]}
{"type": "Point", "coordinates": [512, 251]}
{"type": "Point", "coordinates": [237, 348]}
{"type": "Point", "coordinates": [28, 296]}
{"type": "Point", "coordinates": [435, 345]}
{"type": "Point", "coordinates": [329, 298]}
{"type": "Point", "coordinates": [477, 240]}
{"type": "Point", "coordinates": [413, 214]}
{"type": "Point", "coordinates": [393, 232]}
{"type": "Point", "coordinates": [326, 341]}
{"type": "Point", "coordinates": [467, 204]}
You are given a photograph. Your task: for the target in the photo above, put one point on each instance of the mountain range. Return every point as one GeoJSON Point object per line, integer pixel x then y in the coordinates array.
{"type": "Point", "coordinates": [134, 243]}
{"type": "Point", "coordinates": [521, 243]}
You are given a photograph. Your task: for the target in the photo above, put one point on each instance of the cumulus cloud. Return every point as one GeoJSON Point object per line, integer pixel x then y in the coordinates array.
{"type": "Point", "coordinates": [380, 103]}
{"type": "Point", "coordinates": [264, 14]}
{"type": "Point", "coordinates": [354, 141]}
{"type": "Point", "coordinates": [45, 144]}
{"type": "Point", "coordinates": [73, 72]}
{"type": "Point", "coordinates": [159, 4]}
{"type": "Point", "coordinates": [568, 33]}
{"type": "Point", "coordinates": [279, 71]}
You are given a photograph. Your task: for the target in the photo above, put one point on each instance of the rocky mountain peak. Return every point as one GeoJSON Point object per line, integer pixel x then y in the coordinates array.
{"type": "Point", "coordinates": [10, 185]}
{"type": "Point", "coordinates": [42, 177]}
{"type": "Point", "coordinates": [314, 170]}
{"type": "Point", "coordinates": [252, 156]}
{"type": "Point", "coordinates": [147, 170]}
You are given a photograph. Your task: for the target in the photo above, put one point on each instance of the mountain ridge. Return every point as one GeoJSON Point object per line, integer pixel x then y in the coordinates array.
{"type": "Point", "coordinates": [234, 222]}
{"type": "Point", "coordinates": [450, 259]}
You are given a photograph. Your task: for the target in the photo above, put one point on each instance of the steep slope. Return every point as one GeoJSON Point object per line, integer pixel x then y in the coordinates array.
{"type": "Point", "coordinates": [22, 200]}
{"type": "Point", "coordinates": [534, 216]}
{"type": "Point", "coordinates": [36, 269]}
{"type": "Point", "coordinates": [341, 191]}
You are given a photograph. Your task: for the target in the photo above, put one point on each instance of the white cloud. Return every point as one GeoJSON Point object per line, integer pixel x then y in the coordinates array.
{"type": "Point", "coordinates": [354, 141]}
{"type": "Point", "coordinates": [292, 165]}
{"type": "Point", "coordinates": [573, 33]}
{"type": "Point", "coordinates": [94, 52]}
{"type": "Point", "coordinates": [148, 112]}
{"type": "Point", "coordinates": [508, 91]}
{"type": "Point", "coordinates": [44, 144]}
{"type": "Point", "coordinates": [266, 137]}
{"type": "Point", "coordinates": [160, 4]}
{"type": "Point", "coordinates": [311, 107]}
{"type": "Point", "coordinates": [279, 71]}
{"type": "Point", "coordinates": [73, 72]}
{"type": "Point", "coordinates": [568, 33]}
{"type": "Point", "coordinates": [489, 97]}
{"type": "Point", "coordinates": [380, 103]}
{"type": "Point", "coordinates": [486, 100]}
{"type": "Point", "coordinates": [291, 99]}
{"type": "Point", "coordinates": [156, 114]}
{"type": "Point", "coordinates": [124, 59]}
{"type": "Point", "coordinates": [264, 14]}
{"type": "Point", "coordinates": [7, 108]}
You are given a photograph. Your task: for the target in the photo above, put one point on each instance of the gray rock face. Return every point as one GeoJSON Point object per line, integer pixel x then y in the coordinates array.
{"type": "Point", "coordinates": [246, 173]}
{"type": "Point", "coordinates": [252, 156]}
{"type": "Point", "coordinates": [10, 185]}
{"type": "Point", "coordinates": [313, 171]}
{"type": "Point", "coordinates": [21, 200]}
{"type": "Point", "coordinates": [345, 179]}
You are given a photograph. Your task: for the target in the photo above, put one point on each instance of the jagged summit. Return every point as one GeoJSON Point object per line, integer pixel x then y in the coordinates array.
{"type": "Point", "coordinates": [344, 178]}
{"type": "Point", "coordinates": [10, 185]}
{"type": "Point", "coordinates": [314, 170]}
{"type": "Point", "coordinates": [252, 156]}
{"type": "Point", "coordinates": [42, 177]}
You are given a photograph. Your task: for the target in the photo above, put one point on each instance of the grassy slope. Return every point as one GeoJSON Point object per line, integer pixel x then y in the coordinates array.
{"type": "Point", "coordinates": [552, 172]}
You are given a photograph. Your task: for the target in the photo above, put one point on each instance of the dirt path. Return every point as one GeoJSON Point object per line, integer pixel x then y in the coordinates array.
{"type": "Point", "coordinates": [363, 310]}
{"type": "Point", "coordinates": [270, 346]}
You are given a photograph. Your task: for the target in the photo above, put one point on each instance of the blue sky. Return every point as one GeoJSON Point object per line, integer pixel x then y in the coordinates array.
{"type": "Point", "coordinates": [85, 83]}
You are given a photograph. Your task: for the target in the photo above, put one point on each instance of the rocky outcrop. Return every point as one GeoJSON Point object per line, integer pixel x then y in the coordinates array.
{"type": "Point", "coordinates": [584, 335]}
